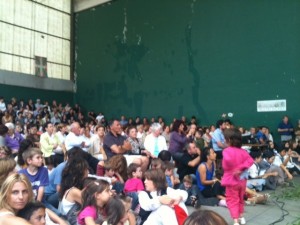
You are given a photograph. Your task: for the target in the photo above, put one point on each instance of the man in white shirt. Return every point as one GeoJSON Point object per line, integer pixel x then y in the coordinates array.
{"type": "Point", "coordinates": [73, 138]}
{"type": "Point", "coordinates": [155, 142]}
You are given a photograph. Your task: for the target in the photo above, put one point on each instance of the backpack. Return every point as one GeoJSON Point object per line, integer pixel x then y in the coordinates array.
{"type": "Point", "coordinates": [181, 215]}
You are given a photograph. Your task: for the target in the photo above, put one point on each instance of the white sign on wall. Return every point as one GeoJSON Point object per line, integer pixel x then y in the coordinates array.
{"type": "Point", "coordinates": [271, 105]}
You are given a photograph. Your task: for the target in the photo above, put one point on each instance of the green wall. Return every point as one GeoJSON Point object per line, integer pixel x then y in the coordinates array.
{"type": "Point", "coordinates": [8, 91]}
{"type": "Point", "coordinates": [202, 58]}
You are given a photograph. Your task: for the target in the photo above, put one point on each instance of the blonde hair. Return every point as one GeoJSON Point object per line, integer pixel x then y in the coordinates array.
{"type": "Point", "coordinates": [7, 165]}
{"type": "Point", "coordinates": [7, 186]}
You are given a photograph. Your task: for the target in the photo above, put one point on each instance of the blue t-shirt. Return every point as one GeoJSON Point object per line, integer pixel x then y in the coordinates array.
{"type": "Point", "coordinates": [283, 125]}
{"type": "Point", "coordinates": [55, 178]}
{"type": "Point", "coordinates": [40, 179]}
{"type": "Point", "coordinates": [216, 137]}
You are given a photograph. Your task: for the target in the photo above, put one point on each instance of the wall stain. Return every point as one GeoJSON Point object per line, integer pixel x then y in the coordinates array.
{"type": "Point", "coordinates": [194, 72]}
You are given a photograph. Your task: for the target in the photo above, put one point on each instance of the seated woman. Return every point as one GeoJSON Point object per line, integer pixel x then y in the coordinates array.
{"type": "Point", "coordinates": [136, 150]}
{"type": "Point", "coordinates": [15, 193]}
{"type": "Point", "coordinates": [159, 199]}
{"type": "Point", "coordinates": [7, 167]}
{"type": "Point", "coordinates": [72, 184]}
{"type": "Point", "coordinates": [209, 186]}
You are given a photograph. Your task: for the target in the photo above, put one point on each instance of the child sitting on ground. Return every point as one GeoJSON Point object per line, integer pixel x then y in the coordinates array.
{"type": "Point", "coordinates": [258, 180]}
{"type": "Point", "coordinates": [134, 184]}
{"type": "Point", "coordinates": [116, 179]}
{"type": "Point", "coordinates": [190, 188]}
{"type": "Point", "coordinates": [168, 168]}
{"type": "Point", "coordinates": [36, 173]}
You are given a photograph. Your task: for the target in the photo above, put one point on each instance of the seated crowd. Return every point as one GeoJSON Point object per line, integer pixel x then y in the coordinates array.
{"type": "Point", "coordinates": [57, 165]}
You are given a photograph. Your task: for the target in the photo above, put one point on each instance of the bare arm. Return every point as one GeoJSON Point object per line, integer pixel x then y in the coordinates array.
{"type": "Point", "coordinates": [119, 149]}
{"type": "Point", "coordinates": [202, 172]}
{"type": "Point", "coordinates": [40, 193]}
{"type": "Point", "coordinates": [55, 218]}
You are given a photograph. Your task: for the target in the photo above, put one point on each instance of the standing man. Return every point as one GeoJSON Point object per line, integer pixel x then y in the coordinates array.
{"type": "Point", "coordinates": [218, 141]}
{"type": "Point", "coordinates": [285, 129]}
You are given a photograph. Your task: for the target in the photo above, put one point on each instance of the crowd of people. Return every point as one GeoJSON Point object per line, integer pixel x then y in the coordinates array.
{"type": "Point", "coordinates": [58, 166]}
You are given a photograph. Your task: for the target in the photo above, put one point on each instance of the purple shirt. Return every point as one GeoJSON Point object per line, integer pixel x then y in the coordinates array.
{"type": "Point", "coordinates": [14, 142]}
{"type": "Point", "coordinates": [177, 142]}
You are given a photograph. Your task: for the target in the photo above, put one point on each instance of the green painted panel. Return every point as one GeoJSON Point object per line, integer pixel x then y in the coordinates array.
{"type": "Point", "coordinates": [203, 58]}
{"type": "Point", "coordinates": [8, 91]}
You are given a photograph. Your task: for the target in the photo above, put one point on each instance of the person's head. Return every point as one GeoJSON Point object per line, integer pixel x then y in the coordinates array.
{"type": "Point", "coordinates": [253, 130]}
{"type": "Point", "coordinates": [165, 155]}
{"type": "Point", "coordinates": [34, 213]}
{"type": "Point", "coordinates": [205, 217]}
{"type": "Point", "coordinates": [156, 129]}
{"type": "Point", "coordinates": [156, 163]}
{"type": "Point", "coordinates": [115, 127]}
{"type": "Point", "coordinates": [100, 130]}
{"type": "Point", "coordinates": [11, 128]}
{"type": "Point", "coordinates": [127, 202]}
{"type": "Point", "coordinates": [168, 167]}
{"type": "Point", "coordinates": [263, 129]}
{"type": "Point", "coordinates": [5, 152]}
{"type": "Point", "coordinates": [109, 171]}
{"type": "Point", "coordinates": [48, 127]}
{"type": "Point", "coordinates": [178, 126]}
{"type": "Point", "coordinates": [191, 148]}
{"type": "Point", "coordinates": [3, 130]}
{"type": "Point", "coordinates": [15, 192]}
{"type": "Point", "coordinates": [32, 128]}
{"type": "Point", "coordinates": [75, 128]}
{"type": "Point", "coordinates": [132, 132]}
{"type": "Point", "coordinates": [167, 129]}
{"type": "Point", "coordinates": [199, 134]}
{"type": "Point", "coordinates": [118, 163]}
{"type": "Point", "coordinates": [33, 157]}
{"type": "Point", "coordinates": [187, 181]}
{"type": "Point", "coordinates": [73, 174]}
{"type": "Point", "coordinates": [96, 193]}
{"type": "Point", "coordinates": [221, 124]}
{"type": "Point", "coordinates": [208, 154]}
{"type": "Point", "coordinates": [134, 171]}
{"type": "Point", "coordinates": [233, 137]}
{"type": "Point", "coordinates": [7, 167]}
{"type": "Point", "coordinates": [256, 155]}
{"type": "Point", "coordinates": [269, 156]}
{"type": "Point", "coordinates": [140, 128]}
{"type": "Point", "coordinates": [285, 119]}
{"type": "Point", "coordinates": [155, 180]}
{"type": "Point", "coordinates": [193, 128]}
{"type": "Point", "coordinates": [228, 123]}
{"type": "Point", "coordinates": [282, 151]}
{"type": "Point", "coordinates": [115, 211]}
{"type": "Point", "coordinates": [24, 145]}
{"type": "Point", "coordinates": [62, 128]}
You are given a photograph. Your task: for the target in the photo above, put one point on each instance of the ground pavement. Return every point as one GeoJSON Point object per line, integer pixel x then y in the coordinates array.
{"type": "Point", "coordinates": [271, 213]}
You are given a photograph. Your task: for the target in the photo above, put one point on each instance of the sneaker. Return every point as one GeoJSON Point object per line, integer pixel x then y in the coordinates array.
{"type": "Point", "coordinates": [242, 220]}
{"type": "Point", "coordinates": [222, 203]}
